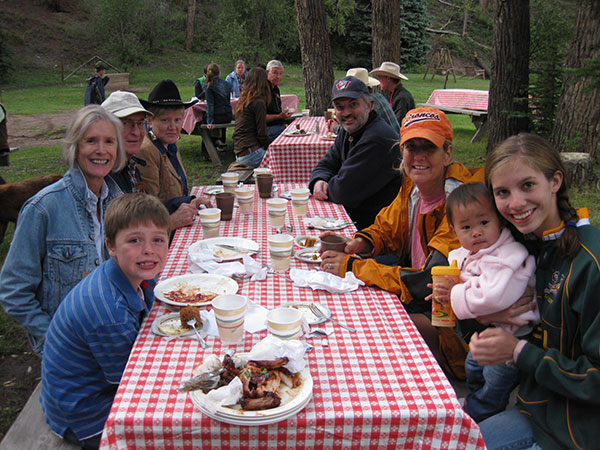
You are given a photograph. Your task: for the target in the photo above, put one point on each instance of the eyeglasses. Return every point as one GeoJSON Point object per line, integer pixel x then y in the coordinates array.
{"type": "Point", "coordinates": [129, 125]}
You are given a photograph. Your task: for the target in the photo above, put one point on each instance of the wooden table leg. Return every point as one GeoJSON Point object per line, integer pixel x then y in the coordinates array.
{"type": "Point", "coordinates": [210, 147]}
{"type": "Point", "coordinates": [480, 123]}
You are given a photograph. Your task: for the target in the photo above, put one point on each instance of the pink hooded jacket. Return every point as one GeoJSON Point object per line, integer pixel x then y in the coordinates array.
{"type": "Point", "coordinates": [493, 279]}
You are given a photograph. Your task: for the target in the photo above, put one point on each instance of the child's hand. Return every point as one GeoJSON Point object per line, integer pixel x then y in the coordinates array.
{"type": "Point", "coordinates": [442, 289]}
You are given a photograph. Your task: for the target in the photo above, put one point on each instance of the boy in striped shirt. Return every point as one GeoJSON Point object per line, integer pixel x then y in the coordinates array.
{"type": "Point", "coordinates": [93, 331]}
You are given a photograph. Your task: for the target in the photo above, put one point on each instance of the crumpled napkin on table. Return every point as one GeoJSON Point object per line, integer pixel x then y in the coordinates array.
{"type": "Point", "coordinates": [225, 395]}
{"type": "Point", "coordinates": [255, 320]}
{"type": "Point", "coordinates": [325, 280]}
{"type": "Point", "coordinates": [204, 260]}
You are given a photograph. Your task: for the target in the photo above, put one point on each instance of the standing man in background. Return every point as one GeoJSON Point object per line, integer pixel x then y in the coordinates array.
{"type": "Point", "coordinates": [389, 77]}
{"type": "Point", "coordinates": [94, 91]}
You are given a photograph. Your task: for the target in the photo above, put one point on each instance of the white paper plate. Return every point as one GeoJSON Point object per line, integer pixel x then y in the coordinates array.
{"type": "Point", "coordinates": [304, 307]}
{"type": "Point", "coordinates": [292, 402]}
{"type": "Point", "coordinates": [162, 326]}
{"type": "Point", "coordinates": [299, 241]}
{"type": "Point", "coordinates": [292, 134]}
{"type": "Point", "coordinates": [328, 223]}
{"type": "Point", "coordinates": [309, 255]}
{"type": "Point", "coordinates": [205, 283]}
{"type": "Point", "coordinates": [224, 254]}
{"type": "Point", "coordinates": [213, 190]}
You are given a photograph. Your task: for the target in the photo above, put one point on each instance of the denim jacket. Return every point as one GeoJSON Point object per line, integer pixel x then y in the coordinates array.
{"type": "Point", "coordinates": [217, 100]}
{"type": "Point", "coordinates": [52, 250]}
{"type": "Point", "coordinates": [233, 81]}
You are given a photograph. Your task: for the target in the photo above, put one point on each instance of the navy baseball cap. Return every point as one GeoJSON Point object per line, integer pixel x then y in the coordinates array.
{"type": "Point", "coordinates": [349, 87]}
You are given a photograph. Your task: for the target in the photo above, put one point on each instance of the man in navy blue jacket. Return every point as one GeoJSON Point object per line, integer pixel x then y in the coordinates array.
{"type": "Point", "coordinates": [360, 170]}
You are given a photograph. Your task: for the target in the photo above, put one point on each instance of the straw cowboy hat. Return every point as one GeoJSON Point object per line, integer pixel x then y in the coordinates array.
{"type": "Point", "coordinates": [165, 94]}
{"type": "Point", "coordinates": [389, 69]}
{"type": "Point", "coordinates": [363, 75]}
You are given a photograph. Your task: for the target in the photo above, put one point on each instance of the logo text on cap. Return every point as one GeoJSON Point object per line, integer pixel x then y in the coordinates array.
{"type": "Point", "coordinates": [413, 118]}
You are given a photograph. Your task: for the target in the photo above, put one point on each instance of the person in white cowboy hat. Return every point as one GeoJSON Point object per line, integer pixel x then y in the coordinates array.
{"type": "Point", "coordinates": [389, 77]}
{"type": "Point", "coordinates": [359, 171]}
{"type": "Point", "coordinates": [127, 107]}
{"type": "Point", "coordinates": [380, 104]}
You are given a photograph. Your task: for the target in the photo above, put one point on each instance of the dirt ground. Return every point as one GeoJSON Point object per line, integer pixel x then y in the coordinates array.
{"type": "Point", "coordinates": [37, 130]}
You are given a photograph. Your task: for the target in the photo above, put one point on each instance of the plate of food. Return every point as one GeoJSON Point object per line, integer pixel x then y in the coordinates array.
{"type": "Point", "coordinates": [304, 307]}
{"type": "Point", "coordinates": [329, 137]}
{"type": "Point", "coordinates": [197, 289]}
{"type": "Point", "coordinates": [327, 223]}
{"type": "Point", "coordinates": [309, 255]}
{"type": "Point", "coordinates": [270, 392]}
{"type": "Point", "coordinates": [172, 325]}
{"type": "Point", "coordinates": [305, 241]}
{"type": "Point", "coordinates": [213, 190]}
{"type": "Point", "coordinates": [226, 248]}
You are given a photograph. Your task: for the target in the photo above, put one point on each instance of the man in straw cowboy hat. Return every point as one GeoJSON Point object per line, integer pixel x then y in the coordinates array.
{"type": "Point", "coordinates": [389, 77]}
{"type": "Point", "coordinates": [380, 105]}
{"type": "Point", "coordinates": [358, 170]}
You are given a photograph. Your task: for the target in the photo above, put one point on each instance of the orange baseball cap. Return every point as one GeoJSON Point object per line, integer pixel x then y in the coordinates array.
{"type": "Point", "coordinates": [427, 123]}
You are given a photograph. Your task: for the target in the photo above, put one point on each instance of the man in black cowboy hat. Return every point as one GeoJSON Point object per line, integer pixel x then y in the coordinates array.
{"type": "Point", "coordinates": [94, 91]}
{"type": "Point", "coordinates": [164, 175]}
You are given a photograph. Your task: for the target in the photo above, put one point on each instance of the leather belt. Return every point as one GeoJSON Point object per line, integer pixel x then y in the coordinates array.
{"type": "Point", "coordinates": [248, 150]}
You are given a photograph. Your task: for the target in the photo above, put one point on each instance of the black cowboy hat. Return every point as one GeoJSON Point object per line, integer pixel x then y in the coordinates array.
{"type": "Point", "coordinates": [165, 94]}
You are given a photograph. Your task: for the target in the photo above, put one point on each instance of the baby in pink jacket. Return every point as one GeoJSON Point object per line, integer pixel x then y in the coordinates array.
{"type": "Point", "coordinates": [495, 272]}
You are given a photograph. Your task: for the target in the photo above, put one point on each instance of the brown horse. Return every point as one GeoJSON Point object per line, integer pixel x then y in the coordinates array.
{"type": "Point", "coordinates": [13, 195]}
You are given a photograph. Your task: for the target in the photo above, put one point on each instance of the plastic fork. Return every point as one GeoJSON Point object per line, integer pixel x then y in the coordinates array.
{"type": "Point", "coordinates": [321, 315]}
{"type": "Point", "coordinates": [192, 323]}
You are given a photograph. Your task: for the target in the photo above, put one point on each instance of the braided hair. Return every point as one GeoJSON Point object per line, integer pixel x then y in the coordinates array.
{"type": "Point", "coordinates": [541, 155]}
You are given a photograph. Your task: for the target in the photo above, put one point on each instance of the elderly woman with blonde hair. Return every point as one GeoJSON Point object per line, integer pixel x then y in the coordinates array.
{"type": "Point", "coordinates": [59, 238]}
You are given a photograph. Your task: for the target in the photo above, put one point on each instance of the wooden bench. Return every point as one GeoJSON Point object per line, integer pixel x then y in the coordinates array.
{"type": "Point", "coordinates": [31, 432]}
{"type": "Point", "coordinates": [202, 130]}
{"type": "Point", "coordinates": [478, 118]}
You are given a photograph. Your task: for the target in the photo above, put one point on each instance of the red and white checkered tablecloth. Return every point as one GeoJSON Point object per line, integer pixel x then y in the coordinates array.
{"type": "Point", "coordinates": [292, 158]}
{"type": "Point", "coordinates": [195, 113]}
{"type": "Point", "coordinates": [377, 388]}
{"type": "Point", "coordinates": [460, 98]}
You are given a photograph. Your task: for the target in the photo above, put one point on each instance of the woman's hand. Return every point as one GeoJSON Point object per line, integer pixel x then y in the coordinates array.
{"type": "Point", "coordinates": [184, 216]}
{"type": "Point", "coordinates": [210, 126]}
{"type": "Point", "coordinates": [358, 245]}
{"type": "Point", "coordinates": [320, 190]}
{"type": "Point", "coordinates": [332, 261]}
{"type": "Point", "coordinates": [511, 315]}
{"type": "Point", "coordinates": [492, 346]}
{"type": "Point", "coordinates": [285, 114]}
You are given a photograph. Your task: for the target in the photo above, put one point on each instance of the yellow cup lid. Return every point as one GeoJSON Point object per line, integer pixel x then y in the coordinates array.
{"type": "Point", "coordinates": [451, 270]}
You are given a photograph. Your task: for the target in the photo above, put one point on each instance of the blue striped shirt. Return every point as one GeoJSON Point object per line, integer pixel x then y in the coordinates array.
{"type": "Point", "coordinates": [87, 347]}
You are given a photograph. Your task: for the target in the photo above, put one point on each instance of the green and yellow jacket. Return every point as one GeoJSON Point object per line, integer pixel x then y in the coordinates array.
{"type": "Point", "coordinates": [560, 365]}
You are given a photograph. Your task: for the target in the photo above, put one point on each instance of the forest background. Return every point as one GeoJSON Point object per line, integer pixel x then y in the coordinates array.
{"type": "Point", "coordinates": [44, 41]}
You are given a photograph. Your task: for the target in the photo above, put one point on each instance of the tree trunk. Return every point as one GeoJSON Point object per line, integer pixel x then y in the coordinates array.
{"type": "Point", "coordinates": [507, 108]}
{"type": "Point", "coordinates": [386, 35]}
{"type": "Point", "coordinates": [317, 66]}
{"type": "Point", "coordinates": [577, 123]}
{"type": "Point", "coordinates": [189, 29]}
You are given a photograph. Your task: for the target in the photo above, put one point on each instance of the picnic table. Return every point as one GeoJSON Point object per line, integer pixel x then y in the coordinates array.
{"type": "Point", "coordinates": [378, 387]}
{"type": "Point", "coordinates": [471, 102]}
{"type": "Point", "coordinates": [292, 158]}
{"type": "Point", "coordinates": [192, 122]}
